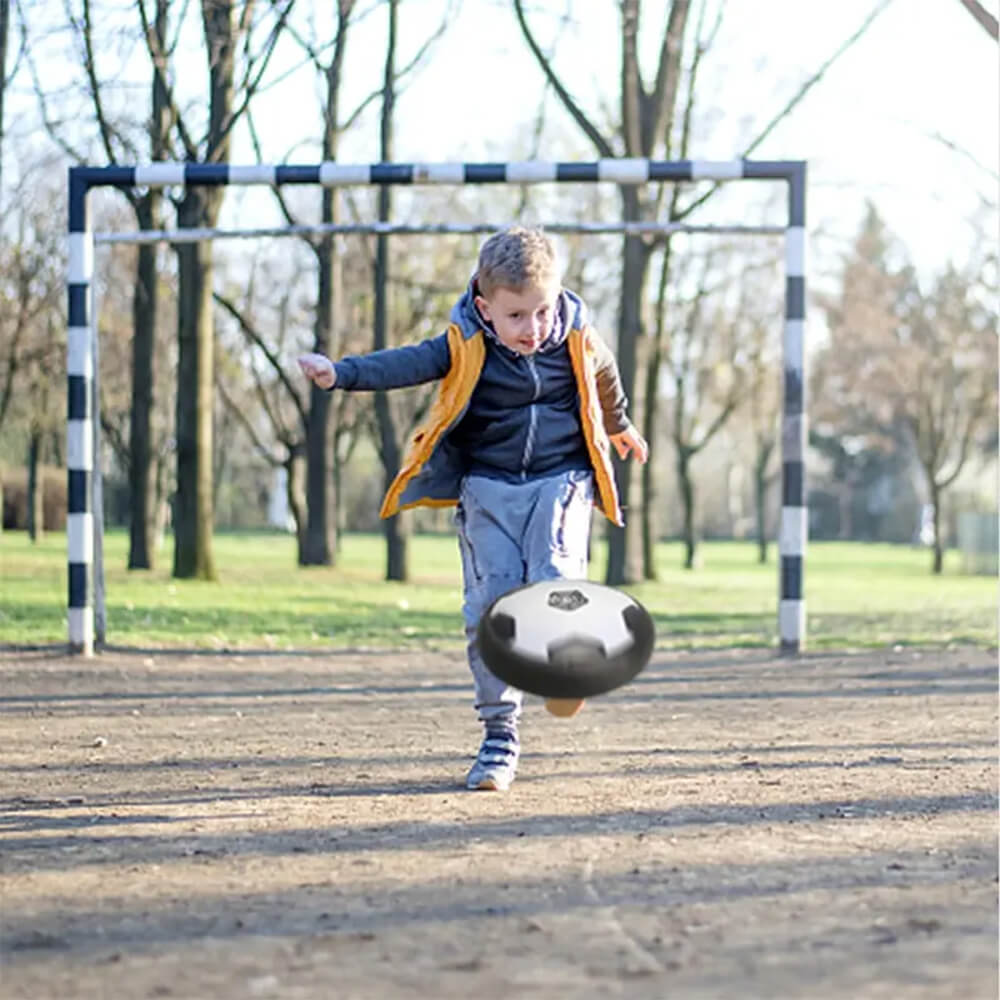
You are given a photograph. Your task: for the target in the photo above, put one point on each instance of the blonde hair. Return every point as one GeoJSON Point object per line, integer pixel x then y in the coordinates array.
{"type": "Point", "coordinates": [515, 258]}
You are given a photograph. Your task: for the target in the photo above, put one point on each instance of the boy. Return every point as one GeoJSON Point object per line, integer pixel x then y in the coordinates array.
{"type": "Point", "coordinates": [517, 440]}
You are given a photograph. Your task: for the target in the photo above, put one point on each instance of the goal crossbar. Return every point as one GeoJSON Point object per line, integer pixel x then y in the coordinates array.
{"type": "Point", "coordinates": [82, 435]}
{"type": "Point", "coordinates": [196, 235]}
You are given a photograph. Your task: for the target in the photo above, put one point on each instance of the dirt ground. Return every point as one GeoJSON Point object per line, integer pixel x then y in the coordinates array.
{"type": "Point", "coordinates": [729, 825]}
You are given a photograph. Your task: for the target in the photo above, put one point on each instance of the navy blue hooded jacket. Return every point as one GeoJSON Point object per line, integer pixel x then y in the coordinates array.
{"type": "Point", "coordinates": [523, 419]}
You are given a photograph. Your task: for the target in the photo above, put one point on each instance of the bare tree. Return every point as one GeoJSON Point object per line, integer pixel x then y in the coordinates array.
{"type": "Point", "coordinates": [659, 341]}
{"type": "Point", "coordinates": [388, 438]}
{"type": "Point", "coordinates": [907, 368]}
{"type": "Point", "coordinates": [142, 448]}
{"type": "Point", "coordinates": [26, 294]}
{"type": "Point", "coordinates": [283, 444]}
{"type": "Point", "coordinates": [227, 29]}
{"type": "Point", "coordinates": [945, 384]}
{"type": "Point", "coordinates": [763, 404]}
{"type": "Point", "coordinates": [4, 34]}
{"type": "Point", "coordinates": [648, 120]}
{"type": "Point", "coordinates": [319, 533]}
{"type": "Point", "coordinates": [323, 452]}
{"type": "Point", "coordinates": [119, 143]}
{"type": "Point", "coordinates": [31, 332]}
{"type": "Point", "coordinates": [646, 117]}
{"type": "Point", "coordinates": [708, 379]}
{"type": "Point", "coordinates": [319, 540]}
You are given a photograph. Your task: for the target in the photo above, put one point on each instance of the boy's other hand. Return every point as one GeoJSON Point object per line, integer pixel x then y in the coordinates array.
{"type": "Point", "coordinates": [630, 441]}
{"type": "Point", "coordinates": [319, 369]}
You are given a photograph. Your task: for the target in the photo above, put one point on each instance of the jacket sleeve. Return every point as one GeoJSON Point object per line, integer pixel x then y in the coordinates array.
{"type": "Point", "coordinates": [395, 367]}
{"type": "Point", "coordinates": [614, 403]}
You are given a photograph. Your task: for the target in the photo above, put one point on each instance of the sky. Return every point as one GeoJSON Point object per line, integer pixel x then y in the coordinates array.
{"type": "Point", "coordinates": [876, 127]}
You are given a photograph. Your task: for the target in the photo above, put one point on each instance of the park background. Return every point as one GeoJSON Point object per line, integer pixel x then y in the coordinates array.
{"type": "Point", "coordinates": [893, 104]}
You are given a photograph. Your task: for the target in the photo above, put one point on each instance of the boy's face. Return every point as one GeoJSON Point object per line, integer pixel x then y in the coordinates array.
{"type": "Point", "coordinates": [522, 319]}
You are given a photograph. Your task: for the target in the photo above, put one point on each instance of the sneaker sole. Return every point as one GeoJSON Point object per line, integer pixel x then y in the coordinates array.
{"type": "Point", "coordinates": [563, 708]}
{"type": "Point", "coordinates": [486, 785]}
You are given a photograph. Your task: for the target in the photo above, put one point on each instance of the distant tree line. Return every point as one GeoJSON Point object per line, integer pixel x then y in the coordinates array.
{"type": "Point", "coordinates": [197, 341]}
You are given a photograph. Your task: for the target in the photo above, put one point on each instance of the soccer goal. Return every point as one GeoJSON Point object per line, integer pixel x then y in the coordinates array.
{"type": "Point", "coordinates": [84, 531]}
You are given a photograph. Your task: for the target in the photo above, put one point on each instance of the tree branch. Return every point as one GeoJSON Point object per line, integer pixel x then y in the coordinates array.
{"type": "Point", "coordinates": [601, 144]}
{"type": "Point", "coordinates": [991, 172]}
{"type": "Point", "coordinates": [253, 80]}
{"type": "Point", "coordinates": [701, 47]}
{"type": "Point", "coordinates": [117, 439]}
{"type": "Point", "coordinates": [240, 413]}
{"type": "Point", "coordinates": [795, 100]}
{"type": "Point", "coordinates": [721, 417]}
{"type": "Point", "coordinates": [633, 96]}
{"type": "Point", "coordinates": [422, 51]}
{"type": "Point", "coordinates": [274, 416]}
{"type": "Point", "coordinates": [664, 95]}
{"type": "Point", "coordinates": [159, 60]}
{"type": "Point", "coordinates": [90, 66]}
{"type": "Point", "coordinates": [51, 126]}
{"type": "Point", "coordinates": [255, 338]}
{"type": "Point", "coordinates": [986, 20]}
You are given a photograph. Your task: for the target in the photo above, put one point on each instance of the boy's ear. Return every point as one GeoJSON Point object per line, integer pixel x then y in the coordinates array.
{"type": "Point", "coordinates": [484, 307]}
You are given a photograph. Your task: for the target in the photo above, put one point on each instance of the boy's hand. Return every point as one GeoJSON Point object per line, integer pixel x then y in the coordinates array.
{"type": "Point", "coordinates": [631, 441]}
{"type": "Point", "coordinates": [319, 368]}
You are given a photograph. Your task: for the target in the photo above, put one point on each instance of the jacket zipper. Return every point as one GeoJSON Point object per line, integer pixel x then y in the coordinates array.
{"type": "Point", "coordinates": [529, 444]}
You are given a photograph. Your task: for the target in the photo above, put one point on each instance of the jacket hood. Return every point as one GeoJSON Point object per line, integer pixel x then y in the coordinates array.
{"type": "Point", "coordinates": [570, 315]}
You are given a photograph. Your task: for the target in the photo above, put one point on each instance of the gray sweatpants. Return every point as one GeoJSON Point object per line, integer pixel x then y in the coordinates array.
{"type": "Point", "coordinates": [511, 534]}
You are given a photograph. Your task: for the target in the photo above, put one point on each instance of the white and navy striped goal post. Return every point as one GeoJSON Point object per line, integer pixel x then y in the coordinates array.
{"type": "Point", "coordinates": [627, 171]}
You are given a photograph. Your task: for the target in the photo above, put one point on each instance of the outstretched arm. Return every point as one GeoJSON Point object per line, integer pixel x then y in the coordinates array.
{"type": "Point", "coordinates": [392, 368]}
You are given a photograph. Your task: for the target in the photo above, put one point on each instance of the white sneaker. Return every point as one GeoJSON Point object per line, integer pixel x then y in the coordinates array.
{"type": "Point", "coordinates": [496, 762]}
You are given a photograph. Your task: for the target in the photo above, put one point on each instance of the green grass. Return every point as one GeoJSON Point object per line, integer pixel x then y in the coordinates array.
{"type": "Point", "coordinates": [857, 596]}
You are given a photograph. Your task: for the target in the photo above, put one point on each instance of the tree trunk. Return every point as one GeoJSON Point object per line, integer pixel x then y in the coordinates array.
{"type": "Point", "coordinates": [651, 416]}
{"type": "Point", "coordinates": [650, 488]}
{"type": "Point", "coordinates": [140, 472]}
{"type": "Point", "coordinates": [686, 486]}
{"type": "Point", "coordinates": [396, 561]}
{"type": "Point", "coordinates": [760, 497]}
{"type": "Point", "coordinates": [294, 493]}
{"type": "Point", "coordinates": [624, 548]}
{"type": "Point", "coordinates": [396, 535]}
{"type": "Point", "coordinates": [199, 207]}
{"type": "Point", "coordinates": [142, 500]}
{"type": "Point", "coordinates": [36, 491]}
{"type": "Point", "coordinates": [193, 506]}
{"type": "Point", "coordinates": [650, 509]}
{"type": "Point", "coordinates": [845, 505]}
{"type": "Point", "coordinates": [760, 491]}
{"type": "Point", "coordinates": [4, 35]}
{"type": "Point", "coordinates": [645, 126]}
{"type": "Point", "coordinates": [938, 564]}
{"type": "Point", "coordinates": [319, 544]}
{"type": "Point", "coordinates": [161, 499]}
{"type": "Point", "coordinates": [339, 464]}
{"type": "Point", "coordinates": [4, 22]}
